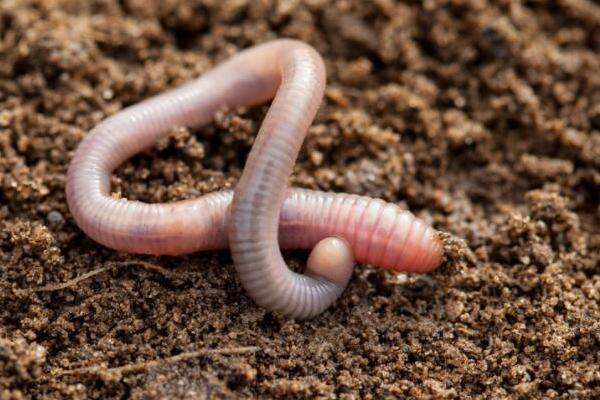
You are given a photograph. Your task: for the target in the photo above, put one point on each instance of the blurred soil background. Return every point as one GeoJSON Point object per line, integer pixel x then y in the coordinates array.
{"type": "Point", "coordinates": [481, 116]}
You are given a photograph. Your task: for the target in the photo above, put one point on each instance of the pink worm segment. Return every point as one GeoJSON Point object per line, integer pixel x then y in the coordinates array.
{"type": "Point", "coordinates": [376, 233]}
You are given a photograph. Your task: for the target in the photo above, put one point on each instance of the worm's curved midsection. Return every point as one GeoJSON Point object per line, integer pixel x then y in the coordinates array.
{"type": "Point", "coordinates": [245, 80]}
{"type": "Point", "coordinates": [260, 192]}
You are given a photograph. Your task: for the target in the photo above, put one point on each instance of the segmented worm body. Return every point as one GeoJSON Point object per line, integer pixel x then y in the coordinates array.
{"type": "Point", "coordinates": [262, 213]}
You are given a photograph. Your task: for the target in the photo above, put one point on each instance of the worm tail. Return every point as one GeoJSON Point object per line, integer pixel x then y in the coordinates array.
{"type": "Point", "coordinates": [379, 233]}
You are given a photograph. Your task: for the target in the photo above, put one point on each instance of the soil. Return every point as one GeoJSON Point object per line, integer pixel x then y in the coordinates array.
{"type": "Point", "coordinates": [482, 117]}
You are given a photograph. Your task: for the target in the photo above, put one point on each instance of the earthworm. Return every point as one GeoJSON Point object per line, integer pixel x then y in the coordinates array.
{"type": "Point", "coordinates": [262, 213]}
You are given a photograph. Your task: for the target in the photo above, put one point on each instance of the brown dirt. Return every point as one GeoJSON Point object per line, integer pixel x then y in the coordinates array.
{"type": "Point", "coordinates": [483, 117]}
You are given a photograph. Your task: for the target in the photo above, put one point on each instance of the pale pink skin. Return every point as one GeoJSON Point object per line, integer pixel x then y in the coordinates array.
{"type": "Point", "coordinates": [264, 214]}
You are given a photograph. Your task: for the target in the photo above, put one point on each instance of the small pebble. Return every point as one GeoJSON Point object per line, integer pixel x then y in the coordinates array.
{"type": "Point", "coordinates": [55, 219]}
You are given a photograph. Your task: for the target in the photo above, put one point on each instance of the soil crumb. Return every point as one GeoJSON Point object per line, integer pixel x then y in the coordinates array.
{"type": "Point", "coordinates": [482, 117]}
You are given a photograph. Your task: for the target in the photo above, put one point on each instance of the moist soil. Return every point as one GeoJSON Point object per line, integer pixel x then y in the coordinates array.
{"type": "Point", "coordinates": [482, 117]}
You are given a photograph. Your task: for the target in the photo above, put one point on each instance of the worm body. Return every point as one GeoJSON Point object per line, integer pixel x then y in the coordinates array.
{"type": "Point", "coordinates": [262, 213]}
